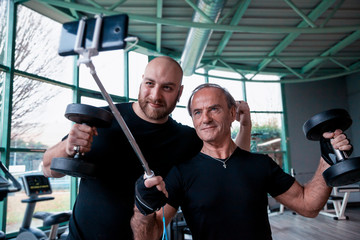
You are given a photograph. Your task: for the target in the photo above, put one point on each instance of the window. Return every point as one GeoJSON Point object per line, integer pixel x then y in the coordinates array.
{"type": "Point", "coordinates": [109, 67]}
{"type": "Point", "coordinates": [263, 96]}
{"type": "Point", "coordinates": [2, 79]}
{"type": "Point", "coordinates": [38, 122]}
{"type": "Point", "coordinates": [21, 162]}
{"type": "Point", "coordinates": [137, 64]}
{"type": "Point", "coordinates": [234, 87]}
{"type": "Point", "coordinates": [190, 83]}
{"type": "Point", "coordinates": [37, 40]}
{"type": "Point", "coordinates": [3, 29]}
{"type": "Point", "coordinates": [38, 112]}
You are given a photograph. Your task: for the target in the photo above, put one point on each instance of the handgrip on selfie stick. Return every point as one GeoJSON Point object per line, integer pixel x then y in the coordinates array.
{"type": "Point", "coordinates": [87, 54]}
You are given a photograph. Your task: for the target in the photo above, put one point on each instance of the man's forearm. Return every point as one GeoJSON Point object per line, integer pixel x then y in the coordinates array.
{"type": "Point", "coordinates": [316, 192]}
{"type": "Point", "coordinates": [243, 138]}
{"type": "Point", "coordinates": [56, 151]}
{"type": "Point", "coordinates": [145, 227]}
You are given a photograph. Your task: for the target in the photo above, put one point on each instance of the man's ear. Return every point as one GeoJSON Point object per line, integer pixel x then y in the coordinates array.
{"type": "Point", "coordinates": [180, 92]}
{"type": "Point", "coordinates": [233, 113]}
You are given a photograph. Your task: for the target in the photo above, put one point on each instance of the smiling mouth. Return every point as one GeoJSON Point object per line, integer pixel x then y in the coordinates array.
{"type": "Point", "coordinates": [208, 128]}
{"type": "Point", "coordinates": [156, 105]}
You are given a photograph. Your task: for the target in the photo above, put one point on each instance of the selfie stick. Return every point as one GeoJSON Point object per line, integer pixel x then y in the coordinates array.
{"type": "Point", "coordinates": [87, 53]}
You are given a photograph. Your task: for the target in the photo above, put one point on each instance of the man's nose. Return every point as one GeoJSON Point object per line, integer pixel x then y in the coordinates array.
{"type": "Point", "coordinates": [206, 117]}
{"type": "Point", "coordinates": [156, 93]}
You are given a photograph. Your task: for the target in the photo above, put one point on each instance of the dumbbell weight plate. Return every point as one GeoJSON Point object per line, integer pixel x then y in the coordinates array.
{"type": "Point", "coordinates": [73, 167]}
{"type": "Point", "coordinates": [89, 115]}
{"type": "Point", "coordinates": [325, 122]}
{"type": "Point", "coordinates": [343, 173]}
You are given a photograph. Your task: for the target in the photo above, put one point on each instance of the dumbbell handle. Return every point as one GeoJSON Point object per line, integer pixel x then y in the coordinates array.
{"type": "Point", "coordinates": [340, 155]}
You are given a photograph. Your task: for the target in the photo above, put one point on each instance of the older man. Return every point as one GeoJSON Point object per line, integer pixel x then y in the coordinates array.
{"type": "Point", "coordinates": [223, 190]}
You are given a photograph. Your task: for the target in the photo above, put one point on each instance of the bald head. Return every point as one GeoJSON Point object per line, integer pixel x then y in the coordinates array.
{"type": "Point", "coordinates": [165, 66]}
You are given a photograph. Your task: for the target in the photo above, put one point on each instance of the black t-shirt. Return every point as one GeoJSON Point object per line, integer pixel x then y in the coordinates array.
{"type": "Point", "coordinates": [227, 203]}
{"type": "Point", "coordinates": [104, 206]}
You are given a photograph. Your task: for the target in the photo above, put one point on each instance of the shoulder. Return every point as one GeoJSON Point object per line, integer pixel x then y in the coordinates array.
{"type": "Point", "coordinates": [180, 127]}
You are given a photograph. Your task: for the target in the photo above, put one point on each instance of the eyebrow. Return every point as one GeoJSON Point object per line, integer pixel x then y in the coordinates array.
{"type": "Point", "coordinates": [214, 105]}
{"type": "Point", "coordinates": [166, 83]}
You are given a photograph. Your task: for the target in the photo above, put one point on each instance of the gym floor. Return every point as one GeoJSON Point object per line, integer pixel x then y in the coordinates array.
{"type": "Point", "coordinates": [295, 227]}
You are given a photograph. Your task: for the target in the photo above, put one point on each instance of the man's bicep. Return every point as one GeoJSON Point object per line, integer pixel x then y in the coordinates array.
{"type": "Point", "coordinates": [292, 197]}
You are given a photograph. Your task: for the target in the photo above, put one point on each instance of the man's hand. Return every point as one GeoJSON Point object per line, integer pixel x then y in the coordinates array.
{"type": "Point", "coordinates": [243, 113]}
{"type": "Point", "coordinates": [80, 135]}
{"type": "Point", "coordinates": [338, 141]}
{"type": "Point", "coordinates": [150, 194]}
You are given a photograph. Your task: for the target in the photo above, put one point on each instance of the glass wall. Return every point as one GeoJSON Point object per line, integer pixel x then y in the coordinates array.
{"type": "Point", "coordinates": [38, 106]}
{"type": "Point", "coordinates": [109, 68]}
{"type": "Point", "coordinates": [37, 42]}
{"type": "Point", "coordinates": [137, 64]}
{"type": "Point", "coordinates": [3, 29]}
{"type": "Point", "coordinates": [44, 84]}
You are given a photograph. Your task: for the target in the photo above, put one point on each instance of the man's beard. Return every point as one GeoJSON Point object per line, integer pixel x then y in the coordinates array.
{"type": "Point", "coordinates": [155, 113]}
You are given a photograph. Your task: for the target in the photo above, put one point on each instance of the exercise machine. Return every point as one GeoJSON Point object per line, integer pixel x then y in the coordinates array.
{"type": "Point", "coordinates": [6, 187]}
{"type": "Point", "coordinates": [36, 185]}
{"type": "Point", "coordinates": [339, 202]}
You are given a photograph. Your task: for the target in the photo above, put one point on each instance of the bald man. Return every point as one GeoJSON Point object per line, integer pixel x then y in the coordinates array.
{"type": "Point", "coordinates": [104, 206]}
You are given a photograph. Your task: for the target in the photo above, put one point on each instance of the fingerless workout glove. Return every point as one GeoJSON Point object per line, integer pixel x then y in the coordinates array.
{"type": "Point", "coordinates": [148, 200]}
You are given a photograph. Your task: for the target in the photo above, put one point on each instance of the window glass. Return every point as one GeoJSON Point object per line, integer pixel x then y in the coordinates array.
{"type": "Point", "coordinates": [181, 115]}
{"type": "Point", "coordinates": [234, 87]}
{"type": "Point", "coordinates": [37, 40]}
{"type": "Point", "coordinates": [266, 132]}
{"type": "Point", "coordinates": [137, 64]}
{"type": "Point", "coordinates": [2, 80]}
{"type": "Point", "coordinates": [38, 113]}
{"type": "Point", "coordinates": [3, 29]}
{"type": "Point", "coordinates": [22, 163]}
{"type": "Point", "coordinates": [264, 96]}
{"type": "Point", "coordinates": [94, 102]}
{"type": "Point", "coordinates": [109, 67]}
{"type": "Point", "coordinates": [190, 83]}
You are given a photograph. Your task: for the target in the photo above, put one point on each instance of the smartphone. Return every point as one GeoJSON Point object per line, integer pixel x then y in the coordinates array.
{"type": "Point", "coordinates": [113, 32]}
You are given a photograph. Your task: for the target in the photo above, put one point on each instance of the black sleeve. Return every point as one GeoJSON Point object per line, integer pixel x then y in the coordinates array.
{"type": "Point", "coordinates": [279, 181]}
{"type": "Point", "coordinates": [174, 188]}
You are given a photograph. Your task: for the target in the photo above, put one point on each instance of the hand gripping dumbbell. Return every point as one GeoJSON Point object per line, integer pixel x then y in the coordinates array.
{"type": "Point", "coordinates": [343, 170]}
{"type": "Point", "coordinates": [91, 116]}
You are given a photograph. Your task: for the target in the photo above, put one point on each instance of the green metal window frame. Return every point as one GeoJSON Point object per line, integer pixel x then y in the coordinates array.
{"type": "Point", "coordinates": [6, 108]}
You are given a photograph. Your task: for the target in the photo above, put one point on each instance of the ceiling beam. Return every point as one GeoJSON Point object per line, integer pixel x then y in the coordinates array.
{"type": "Point", "coordinates": [199, 11]}
{"type": "Point", "coordinates": [333, 50]}
{"type": "Point", "coordinates": [355, 65]}
{"type": "Point", "coordinates": [159, 8]}
{"type": "Point", "coordinates": [315, 14]}
{"type": "Point", "coordinates": [282, 57]}
{"type": "Point", "coordinates": [115, 5]}
{"type": "Point", "coordinates": [286, 81]}
{"type": "Point", "coordinates": [212, 26]}
{"type": "Point", "coordinates": [301, 13]}
{"type": "Point", "coordinates": [234, 21]}
{"type": "Point", "coordinates": [73, 12]}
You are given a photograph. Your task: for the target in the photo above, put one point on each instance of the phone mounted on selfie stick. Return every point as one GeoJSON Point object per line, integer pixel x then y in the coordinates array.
{"type": "Point", "coordinates": [109, 33]}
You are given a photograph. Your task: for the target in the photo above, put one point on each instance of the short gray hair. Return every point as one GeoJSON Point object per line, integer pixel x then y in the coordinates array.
{"type": "Point", "coordinates": [229, 98]}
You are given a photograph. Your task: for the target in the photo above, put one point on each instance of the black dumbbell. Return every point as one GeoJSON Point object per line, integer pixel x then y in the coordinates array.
{"type": "Point", "coordinates": [343, 170]}
{"type": "Point", "coordinates": [91, 116]}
